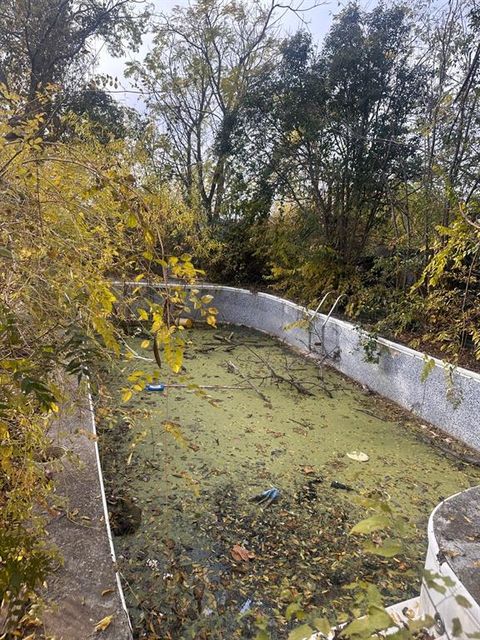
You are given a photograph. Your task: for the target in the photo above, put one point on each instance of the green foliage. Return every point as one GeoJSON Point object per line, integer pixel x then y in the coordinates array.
{"type": "Point", "coordinates": [46, 41]}
{"type": "Point", "coordinates": [72, 216]}
{"type": "Point", "coordinates": [428, 367]}
{"type": "Point", "coordinates": [322, 126]}
{"type": "Point", "coordinates": [382, 520]}
{"type": "Point", "coordinates": [370, 346]}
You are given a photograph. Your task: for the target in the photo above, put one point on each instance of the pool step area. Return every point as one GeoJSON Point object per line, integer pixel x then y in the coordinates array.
{"type": "Point", "coordinates": [453, 564]}
{"type": "Point", "coordinates": [450, 592]}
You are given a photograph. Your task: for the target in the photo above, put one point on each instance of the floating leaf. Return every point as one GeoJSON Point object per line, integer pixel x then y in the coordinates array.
{"type": "Point", "coordinates": [240, 554]}
{"type": "Point", "coordinates": [308, 470]}
{"type": "Point", "coordinates": [192, 483]}
{"type": "Point", "coordinates": [388, 548]}
{"type": "Point", "coordinates": [374, 523]}
{"type": "Point", "coordinates": [175, 430]}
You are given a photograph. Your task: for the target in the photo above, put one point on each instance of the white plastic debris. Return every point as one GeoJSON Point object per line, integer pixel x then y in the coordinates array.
{"type": "Point", "coordinates": [359, 456]}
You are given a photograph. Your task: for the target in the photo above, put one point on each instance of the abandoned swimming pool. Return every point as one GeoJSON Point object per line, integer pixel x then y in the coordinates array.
{"type": "Point", "coordinates": [185, 466]}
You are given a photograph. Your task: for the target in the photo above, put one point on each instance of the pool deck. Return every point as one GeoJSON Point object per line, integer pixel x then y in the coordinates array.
{"type": "Point", "coordinates": [457, 530]}
{"type": "Point", "coordinates": [84, 590]}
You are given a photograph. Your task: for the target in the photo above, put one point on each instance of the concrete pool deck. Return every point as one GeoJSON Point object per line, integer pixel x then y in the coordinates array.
{"type": "Point", "coordinates": [84, 589]}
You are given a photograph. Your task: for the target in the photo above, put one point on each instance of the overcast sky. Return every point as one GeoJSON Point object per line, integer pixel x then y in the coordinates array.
{"type": "Point", "coordinates": [318, 21]}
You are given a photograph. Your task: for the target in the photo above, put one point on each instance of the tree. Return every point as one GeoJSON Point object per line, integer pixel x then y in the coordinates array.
{"type": "Point", "coordinates": [334, 127]}
{"type": "Point", "coordinates": [106, 116]}
{"type": "Point", "coordinates": [206, 58]}
{"type": "Point", "coordinates": [43, 41]}
{"type": "Point", "coordinates": [450, 116]}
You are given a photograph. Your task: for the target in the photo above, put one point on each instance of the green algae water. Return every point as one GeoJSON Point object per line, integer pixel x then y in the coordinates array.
{"type": "Point", "coordinates": [208, 562]}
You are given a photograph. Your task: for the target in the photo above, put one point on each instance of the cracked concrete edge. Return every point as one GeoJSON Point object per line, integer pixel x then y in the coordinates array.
{"type": "Point", "coordinates": [447, 604]}
{"type": "Point", "coordinates": [455, 524]}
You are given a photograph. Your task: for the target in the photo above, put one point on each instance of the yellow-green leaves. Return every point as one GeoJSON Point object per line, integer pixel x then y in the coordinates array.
{"type": "Point", "coordinates": [103, 624]}
{"type": "Point", "coordinates": [74, 219]}
{"type": "Point", "coordinates": [174, 349]}
{"type": "Point", "coordinates": [384, 521]}
{"type": "Point", "coordinates": [201, 304]}
{"type": "Point", "coordinates": [175, 430]}
{"type": "Point", "coordinates": [131, 221]}
{"type": "Point", "coordinates": [428, 367]}
{"type": "Point", "coordinates": [376, 620]}
{"type": "Point", "coordinates": [126, 394]}
{"type": "Point", "coordinates": [387, 548]}
{"type": "Point", "coordinates": [374, 523]}
{"type": "Point", "coordinates": [303, 632]}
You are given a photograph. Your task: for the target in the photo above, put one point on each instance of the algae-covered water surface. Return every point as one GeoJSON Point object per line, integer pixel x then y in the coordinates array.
{"type": "Point", "coordinates": [204, 560]}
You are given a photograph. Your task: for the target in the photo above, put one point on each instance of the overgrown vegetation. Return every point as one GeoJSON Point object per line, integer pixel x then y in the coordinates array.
{"type": "Point", "coordinates": [350, 165]}
{"type": "Point", "coordinates": [72, 217]}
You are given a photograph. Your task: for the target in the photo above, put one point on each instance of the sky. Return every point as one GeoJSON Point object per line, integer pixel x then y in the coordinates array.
{"type": "Point", "coordinates": [317, 20]}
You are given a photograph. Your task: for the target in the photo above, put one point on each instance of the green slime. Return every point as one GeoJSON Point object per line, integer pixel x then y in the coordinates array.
{"type": "Point", "coordinates": [193, 482]}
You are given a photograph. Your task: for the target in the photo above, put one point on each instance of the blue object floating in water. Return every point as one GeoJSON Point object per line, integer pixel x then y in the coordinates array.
{"type": "Point", "coordinates": [246, 606]}
{"type": "Point", "coordinates": [267, 497]}
{"type": "Point", "coordinates": [155, 387]}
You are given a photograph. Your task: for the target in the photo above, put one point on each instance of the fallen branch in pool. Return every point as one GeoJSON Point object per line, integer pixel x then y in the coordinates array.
{"type": "Point", "coordinates": [219, 387]}
{"type": "Point", "coordinates": [236, 369]}
{"type": "Point", "coordinates": [463, 456]}
{"type": "Point", "coordinates": [294, 383]}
